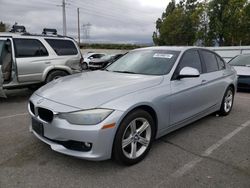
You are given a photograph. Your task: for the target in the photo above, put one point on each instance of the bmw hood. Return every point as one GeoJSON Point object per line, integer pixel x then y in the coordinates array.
{"type": "Point", "coordinates": [92, 89]}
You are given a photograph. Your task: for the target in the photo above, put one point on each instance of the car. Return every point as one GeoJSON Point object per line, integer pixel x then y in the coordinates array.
{"type": "Point", "coordinates": [27, 60]}
{"type": "Point", "coordinates": [87, 58]}
{"type": "Point", "coordinates": [95, 64]}
{"type": "Point", "coordinates": [117, 112]}
{"type": "Point", "coordinates": [241, 64]}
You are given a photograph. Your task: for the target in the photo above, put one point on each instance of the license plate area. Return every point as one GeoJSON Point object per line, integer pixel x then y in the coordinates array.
{"type": "Point", "coordinates": [37, 127]}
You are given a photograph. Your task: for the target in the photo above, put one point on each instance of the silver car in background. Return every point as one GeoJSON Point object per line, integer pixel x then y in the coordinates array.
{"type": "Point", "coordinates": [119, 111]}
{"type": "Point", "coordinates": [241, 64]}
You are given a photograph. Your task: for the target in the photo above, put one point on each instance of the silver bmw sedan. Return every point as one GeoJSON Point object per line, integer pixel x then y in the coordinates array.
{"type": "Point", "coordinates": [118, 111]}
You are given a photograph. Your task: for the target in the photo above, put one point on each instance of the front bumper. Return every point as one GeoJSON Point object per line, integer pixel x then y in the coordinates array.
{"type": "Point", "coordinates": [95, 66]}
{"type": "Point", "coordinates": [243, 82]}
{"type": "Point", "coordinates": [60, 130]}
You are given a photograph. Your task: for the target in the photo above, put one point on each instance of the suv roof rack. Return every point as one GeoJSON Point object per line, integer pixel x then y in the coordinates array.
{"type": "Point", "coordinates": [18, 29]}
{"type": "Point", "coordinates": [46, 31]}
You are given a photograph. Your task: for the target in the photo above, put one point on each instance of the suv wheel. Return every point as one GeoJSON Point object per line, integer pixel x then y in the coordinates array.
{"type": "Point", "coordinates": [134, 137]}
{"type": "Point", "coordinates": [84, 66]}
{"type": "Point", "coordinates": [227, 102]}
{"type": "Point", "coordinates": [55, 75]}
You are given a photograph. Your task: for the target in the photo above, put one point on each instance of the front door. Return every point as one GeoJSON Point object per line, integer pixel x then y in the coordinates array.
{"type": "Point", "coordinates": [187, 95]}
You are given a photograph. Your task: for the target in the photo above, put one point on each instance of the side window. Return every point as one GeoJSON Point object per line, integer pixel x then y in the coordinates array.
{"type": "Point", "coordinates": [63, 47]}
{"type": "Point", "coordinates": [210, 61]}
{"type": "Point", "coordinates": [96, 56]}
{"type": "Point", "coordinates": [190, 58]}
{"type": "Point", "coordinates": [221, 63]}
{"type": "Point", "coordinates": [29, 48]}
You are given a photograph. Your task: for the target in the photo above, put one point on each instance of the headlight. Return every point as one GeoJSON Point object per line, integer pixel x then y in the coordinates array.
{"type": "Point", "coordinates": [86, 117]}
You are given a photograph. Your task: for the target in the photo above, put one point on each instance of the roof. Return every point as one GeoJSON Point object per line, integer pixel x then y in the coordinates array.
{"type": "Point", "coordinates": [174, 48]}
{"type": "Point", "coordinates": [28, 35]}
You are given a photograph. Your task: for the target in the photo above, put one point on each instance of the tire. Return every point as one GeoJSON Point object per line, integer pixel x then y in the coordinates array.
{"type": "Point", "coordinates": [84, 66]}
{"type": "Point", "coordinates": [129, 135]}
{"type": "Point", "coordinates": [55, 75]}
{"type": "Point", "coordinates": [227, 102]}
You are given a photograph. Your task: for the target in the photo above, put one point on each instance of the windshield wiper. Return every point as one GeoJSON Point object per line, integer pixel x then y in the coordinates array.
{"type": "Point", "coordinates": [129, 72]}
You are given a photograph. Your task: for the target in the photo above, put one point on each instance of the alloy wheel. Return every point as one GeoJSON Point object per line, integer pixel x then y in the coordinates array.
{"type": "Point", "coordinates": [136, 138]}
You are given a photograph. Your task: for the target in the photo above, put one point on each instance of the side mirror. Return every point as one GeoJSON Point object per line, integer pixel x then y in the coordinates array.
{"type": "Point", "coordinates": [188, 72]}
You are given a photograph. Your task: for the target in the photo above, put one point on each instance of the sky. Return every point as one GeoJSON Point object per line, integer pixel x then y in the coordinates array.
{"type": "Point", "coordinates": [112, 21]}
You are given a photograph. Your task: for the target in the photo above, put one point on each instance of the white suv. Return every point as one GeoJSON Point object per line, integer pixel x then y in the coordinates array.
{"type": "Point", "coordinates": [27, 59]}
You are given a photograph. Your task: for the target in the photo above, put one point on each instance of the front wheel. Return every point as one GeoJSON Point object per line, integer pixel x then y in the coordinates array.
{"type": "Point", "coordinates": [227, 102]}
{"type": "Point", "coordinates": [134, 137]}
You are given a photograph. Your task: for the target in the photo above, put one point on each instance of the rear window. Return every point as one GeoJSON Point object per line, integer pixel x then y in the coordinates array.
{"type": "Point", "coordinates": [63, 47]}
{"type": "Point", "coordinates": [29, 48]}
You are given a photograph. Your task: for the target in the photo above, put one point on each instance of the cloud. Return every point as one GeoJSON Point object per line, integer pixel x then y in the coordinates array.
{"type": "Point", "coordinates": [111, 20]}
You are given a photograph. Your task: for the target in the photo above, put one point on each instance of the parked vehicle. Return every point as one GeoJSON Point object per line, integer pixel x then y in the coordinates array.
{"type": "Point", "coordinates": [35, 59]}
{"type": "Point", "coordinates": [103, 61]}
{"type": "Point", "coordinates": [88, 57]}
{"type": "Point", "coordinates": [241, 64]}
{"type": "Point", "coordinates": [118, 112]}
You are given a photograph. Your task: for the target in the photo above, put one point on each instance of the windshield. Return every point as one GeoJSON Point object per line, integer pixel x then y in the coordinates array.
{"type": "Point", "coordinates": [242, 60]}
{"type": "Point", "coordinates": [149, 62]}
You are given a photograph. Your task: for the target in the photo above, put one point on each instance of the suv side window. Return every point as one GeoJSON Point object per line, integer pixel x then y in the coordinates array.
{"type": "Point", "coordinates": [221, 63]}
{"type": "Point", "coordinates": [29, 48]}
{"type": "Point", "coordinates": [190, 58]}
{"type": "Point", "coordinates": [210, 61]}
{"type": "Point", "coordinates": [63, 47]}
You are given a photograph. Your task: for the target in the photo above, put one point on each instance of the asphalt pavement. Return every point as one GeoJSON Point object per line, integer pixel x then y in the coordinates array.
{"type": "Point", "coordinates": [212, 152]}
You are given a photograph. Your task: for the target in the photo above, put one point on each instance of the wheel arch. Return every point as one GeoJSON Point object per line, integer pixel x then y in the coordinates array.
{"type": "Point", "coordinates": [51, 69]}
{"type": "Point", "coordinates": [146, 107]}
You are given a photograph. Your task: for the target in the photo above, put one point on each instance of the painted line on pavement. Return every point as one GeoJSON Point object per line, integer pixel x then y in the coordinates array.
{"type": "Point", "coordinates": [11, 116]}
{"type": "Point", "coordinates": [181, 171]}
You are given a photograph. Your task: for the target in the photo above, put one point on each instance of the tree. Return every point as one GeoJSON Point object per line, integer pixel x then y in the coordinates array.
{"type": "Point", "coordinates": [178, 24]}
{"type": "Point", "coordinates": [223, 22]}
{"type": "Point", "coordinates": [226, 18]}
{"type": "Point", "coordinates": [4, 27]}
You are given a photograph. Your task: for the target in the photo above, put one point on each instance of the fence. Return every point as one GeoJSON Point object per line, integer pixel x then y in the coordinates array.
{"type": "Point", "coordinates": [227, 53]}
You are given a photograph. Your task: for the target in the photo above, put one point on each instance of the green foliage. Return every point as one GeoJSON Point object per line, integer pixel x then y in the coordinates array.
{"type": "Point", "coordinates": [226, 22]}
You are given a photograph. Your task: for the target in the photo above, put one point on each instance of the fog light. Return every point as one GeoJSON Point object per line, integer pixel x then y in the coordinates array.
{"type": "Point", "coordinates": [87, 144]}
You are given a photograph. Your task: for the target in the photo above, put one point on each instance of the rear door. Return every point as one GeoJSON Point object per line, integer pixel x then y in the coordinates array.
{"type": "Point", "coordinates": [213, 78]}
{"type": "Point", "coordinates": [32, 58]}
{"type": "Point", "coordinates": [2, 43]}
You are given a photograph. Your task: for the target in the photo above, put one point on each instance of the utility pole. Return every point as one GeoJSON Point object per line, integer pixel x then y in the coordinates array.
{"type": "Point", "coordinates": [64, 17]}
{"type": "Point", "coordinates": [78, 24]}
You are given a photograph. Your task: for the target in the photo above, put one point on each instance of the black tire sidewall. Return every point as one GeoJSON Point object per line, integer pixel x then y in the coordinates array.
{"type": "Point", "coordinates": [117, 146]}
{"type": "Point", "coordinates": [51, 76]}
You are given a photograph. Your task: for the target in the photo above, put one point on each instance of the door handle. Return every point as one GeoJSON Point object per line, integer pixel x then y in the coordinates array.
{"type": "Point", "coordinates": [203, 81]}
{"type": "Point", "coordinates": [48, 62]}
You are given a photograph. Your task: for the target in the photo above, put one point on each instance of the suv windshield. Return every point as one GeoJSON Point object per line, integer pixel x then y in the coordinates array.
{"type": "Point", "coordinates": [148, 62]}
{"type": "Point", "coordinates": [242, 60]}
